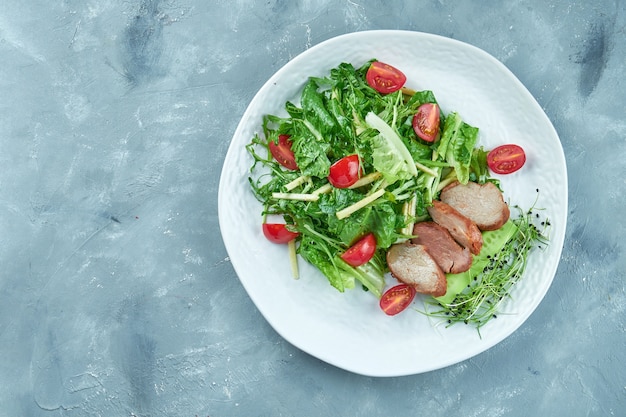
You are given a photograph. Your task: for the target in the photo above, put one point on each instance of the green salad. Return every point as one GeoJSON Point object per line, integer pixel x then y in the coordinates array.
{"type": "Point", "coordinates": [356, 163]}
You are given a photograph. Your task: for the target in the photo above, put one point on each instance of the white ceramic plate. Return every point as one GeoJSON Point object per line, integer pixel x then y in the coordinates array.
{"type": "Point", "coordinates": [348, 330]}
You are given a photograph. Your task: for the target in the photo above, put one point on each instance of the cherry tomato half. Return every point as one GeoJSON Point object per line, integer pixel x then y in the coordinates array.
{"type": "Point", "coordinates": [282, 152]}
{"type": "Point", "coordinates": [506, 159]}
{"type": "Point", "coordinates": [384, 78]}
{"type": "Point", "coordinates": [426, 122]}
{"type": "Point", "coordinates": [397, 298]}
{"type": "Point", "coordinates": [361, 252]}
{"type": "Point", "coordinates": [278, 233]}
{"type": "Point", "coordinates": [345, 172]}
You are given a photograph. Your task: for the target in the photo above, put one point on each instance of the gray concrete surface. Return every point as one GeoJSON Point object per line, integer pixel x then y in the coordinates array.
{"type": "Point", "coordinates": [117, 297]}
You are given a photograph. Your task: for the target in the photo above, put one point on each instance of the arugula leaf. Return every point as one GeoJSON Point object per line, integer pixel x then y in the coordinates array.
{"type": "Point", "coordinates": [316, 252]}
{"type": "Point", "coordinates": [313, 106]}
{"type": "Point", "coordinates": [310, 150]}
{"type": "Point", "coordinates": [385, 222]}
{"type": "Point", "coordinates": [421, 97]}
{"type": "Point", "coordinates": [380, 218]}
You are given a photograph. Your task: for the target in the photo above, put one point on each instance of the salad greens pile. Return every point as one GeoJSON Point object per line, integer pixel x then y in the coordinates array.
{"type": "Point", "coordinates": [340, 115]}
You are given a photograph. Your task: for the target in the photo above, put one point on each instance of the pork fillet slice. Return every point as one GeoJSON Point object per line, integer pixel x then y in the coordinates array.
{"type": "Point", "coordinates": [462, 229]}
{"type": "Point", "coordinates": [482, 204]}
{"type": "Point", "coordinates": [411, 264]}
{"type": "Point", "coordinates": [449, 255]}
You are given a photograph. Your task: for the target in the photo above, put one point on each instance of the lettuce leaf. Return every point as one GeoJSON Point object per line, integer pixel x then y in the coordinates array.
{"type": "Point", "coordinates": [390, 155]}
{"type": "Point", "coordinates": [457, 145]}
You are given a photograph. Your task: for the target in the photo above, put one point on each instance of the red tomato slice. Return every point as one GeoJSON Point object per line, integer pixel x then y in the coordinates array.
{"type": "Point", "coordinates": [345, 172]}
{"type": "Point", "coordinates": [282, 152]}
{"type": "Point", "coordinates": [397, 298]}
{"type": "Point", "coordinates": [426, 122]}
{"type": "Point", "coordinates": [361, 252]}
{"type": "Point", "coordinates": [506, 159]}
{"type": "Point", "coordinates": [384, 78]}
{"type": "Point", "coordinates": [278, 233]}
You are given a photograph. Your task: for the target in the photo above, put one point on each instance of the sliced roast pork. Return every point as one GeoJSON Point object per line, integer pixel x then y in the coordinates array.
{"type": "Point", "coordinates": [411, 264]}
{"type": "Point", "coordinates": [482, 204]}
{"type": "Point", "coordinates": [462, 229]}
{"type": "Point", "coordinates": [449, 255]}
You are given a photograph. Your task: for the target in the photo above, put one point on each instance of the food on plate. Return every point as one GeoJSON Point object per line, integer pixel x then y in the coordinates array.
{"type": "Point", "coordinates": [384, 78]}
{"type": "Point", "coordinates": [481, 203]}
{"type": "Point", "coordinates": [411, 264]}
{"type": "Point", "coordinates": [426, 122]}
{"type": "Point", "coordinates": [396, 299]}
{"type": "Point", "coordinates": [506, 159]}
{"type": "Point", "coordinates": [282, 152]}
{"type": "Point", "coordinates": [278, 233]}
{"type": "Point", "coordinates": [363, 169]}
{"type": "Point", "coordinates": [361, 252]}
{"type": "Point", "coordinates": [462, 229]}
{"type": "Point", "coordinates": [449, 255]}
{"type": "Point", "coordinates": [345, 172]}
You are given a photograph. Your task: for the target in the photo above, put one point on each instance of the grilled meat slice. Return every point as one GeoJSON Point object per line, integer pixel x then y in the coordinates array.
{"type": "Point", "coordinates": [411, 264]}
{"type": "Point", "coordinates": [449, 255]}
{"type": "Point", "coordinates": [482, 204]}
{"type": "Point", "coordinates": [462, 229]}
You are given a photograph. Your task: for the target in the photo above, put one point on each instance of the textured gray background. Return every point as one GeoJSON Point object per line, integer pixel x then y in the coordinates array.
{"type": "Point", "coordinates": [117, 297]}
